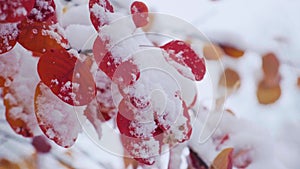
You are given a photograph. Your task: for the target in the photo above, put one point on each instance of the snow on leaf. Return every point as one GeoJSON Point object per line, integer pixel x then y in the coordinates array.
{"type": "Point", "coordinates": [42, 10]}
{"type": "Point", "coordinates": [9, 65]}
{"type": "Point", "coordinates": [156, 96]}
{"type": "Point", "coordinates": [67, 77]}
{"type": "Point", "coordinates": [152, 103]}
{"type": "Point", "coordinates": [126, 73]}
{"type": "Point", "coordinates": [134, 123]}
{"type": "Point", "coordinates": [8, 36]}
{"type": "Point", "coordinates": [56, 119]}
{"type": "Point", "coordinates": [144, 151]}
{"type": "Point", "coordinates": [100, 12]}
{"type": "Point", "coordinates": [123, 73]}
{"type": "Point", "coordinates": [14, 11]}
{"type": "Point", "coordinates": [223, 160]}
{"type": "Point", "coordinates": [19, 94]}
{"type": "Point", "coordinates": [184, 55]}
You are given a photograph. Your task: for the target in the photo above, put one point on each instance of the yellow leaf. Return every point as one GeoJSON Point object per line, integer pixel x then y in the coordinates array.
{"type": "Point", "coordinates": [268, 94]}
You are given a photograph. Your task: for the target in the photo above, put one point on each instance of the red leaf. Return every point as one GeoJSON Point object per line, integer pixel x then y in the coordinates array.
{"type": "Point", "coordinates": [42, 10]}
{"type": "Point", "coordinates": [126, 73]}
{"type": "Point", "coordinates": [122, 73]}
{"type": "Point", "coordinates": [130, 124]}
{"type": "Point", "coordinates": [40, 37]}
{"type": "Point", "coordinates": [99, 49]}
{"type": "Point", "coordinates": [182, 53]}
{"type": "Point", "coordinates": [15, 10]}
{"type": "Point", "coordinates": [139, 12]}
{"type": "Point", "coordinates": [108, 65]}
{"type": "Point", "coordinates": [195, 161]}
{"type": "Point", "coordinates": [67, 77]}
{"type": "Point", "coordinates": [99, 11]}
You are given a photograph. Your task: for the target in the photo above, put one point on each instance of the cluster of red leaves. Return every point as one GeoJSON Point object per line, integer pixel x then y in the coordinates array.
{"type": "Point", "coordinates": [33, 24]}
{"type": "Point", "coordinates": [131, 107]}
{"type": "Point", "coordinates": [63, 74]}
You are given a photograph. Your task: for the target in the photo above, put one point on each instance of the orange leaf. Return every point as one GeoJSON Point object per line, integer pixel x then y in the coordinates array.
{"type": "Point", "coordinates": [270, 65]}
{"type": "Point", "coordinates": [2, 81]}
{"type": "Point", "coordinates": [6, 164]}
{"type": "Point", "coordinates": [223, 160]}
{"type": "Point", "coordinates": [40, 37]}
{"type": "Point", "coordinates": [232, 51]}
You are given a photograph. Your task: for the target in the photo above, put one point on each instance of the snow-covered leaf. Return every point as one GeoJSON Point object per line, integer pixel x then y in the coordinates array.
{"type": "Point", "coordinates": [14, 11]}
{"type": "Point", "coordinates": [42, 10]}
{"type": "Point", "coordinates": [8, 36]}
{"type": "Point", "coordinates": [18, 93]}
{"type": "Point", "coordinates": [56, 119]}
{"type": "Point", "coordinates": [100, 12]}
{"type": "Point", "coordinates": [188, 60]}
